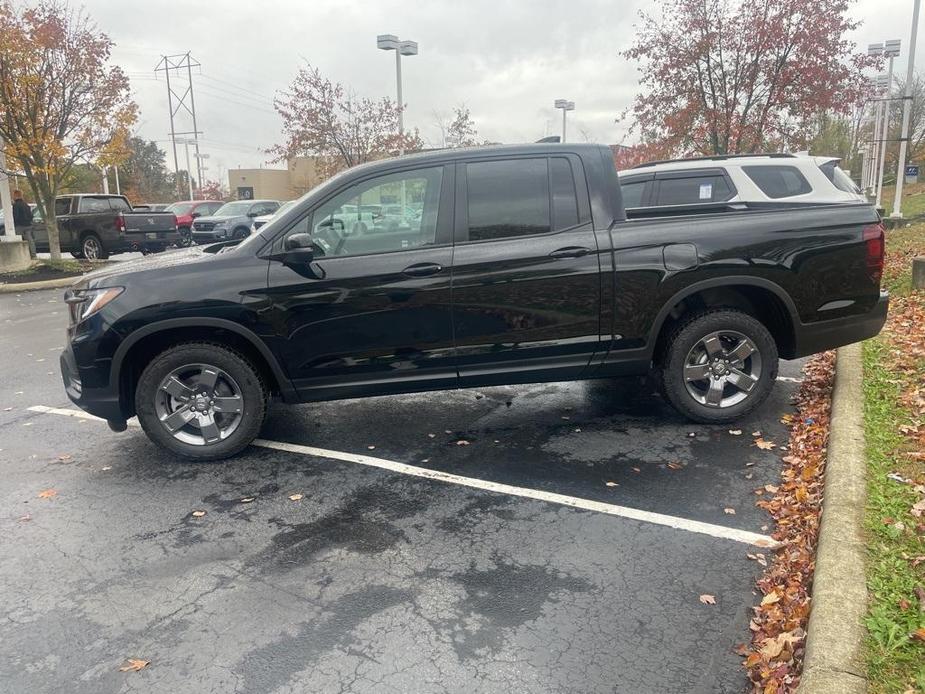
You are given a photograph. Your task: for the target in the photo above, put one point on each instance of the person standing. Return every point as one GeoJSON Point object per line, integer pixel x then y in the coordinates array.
{"type": "Point", "coordinates": [22, 220]}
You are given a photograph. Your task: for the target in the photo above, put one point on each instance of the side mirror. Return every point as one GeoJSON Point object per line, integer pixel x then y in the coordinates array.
{"type": "Point", "coordinates": [196, 214]}
{"type": "Point", "coordinates": [299, 242]}
{"type": "Point", "coordinates": [252, 214]}
{"type": "Point", "coordinates": [297, 250]}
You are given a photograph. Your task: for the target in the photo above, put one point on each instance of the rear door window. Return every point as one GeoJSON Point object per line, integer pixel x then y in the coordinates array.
{"type": "Point", "coordinates": [508, 198]}
{"type": "Point", "coordinates": [90, 205]}
{"type": "Point", "coordinates": [778, 181]}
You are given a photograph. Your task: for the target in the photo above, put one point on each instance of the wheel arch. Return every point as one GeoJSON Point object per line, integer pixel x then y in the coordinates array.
{"type": "Point", "coordinates": [763, 299]}
{"type": "Point", "coordinates": [144, 343]}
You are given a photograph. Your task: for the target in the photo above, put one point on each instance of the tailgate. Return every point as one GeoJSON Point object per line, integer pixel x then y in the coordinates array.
{"type": "Point", "coordinates": [150, 225]}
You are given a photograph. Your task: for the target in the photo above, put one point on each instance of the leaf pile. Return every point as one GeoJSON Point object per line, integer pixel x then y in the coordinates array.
{"type": "Point", "coordinates": [774, 659]}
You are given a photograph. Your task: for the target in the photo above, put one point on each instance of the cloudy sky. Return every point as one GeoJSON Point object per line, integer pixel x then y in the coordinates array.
{"type": "Point", "coordinates": [506, 60]}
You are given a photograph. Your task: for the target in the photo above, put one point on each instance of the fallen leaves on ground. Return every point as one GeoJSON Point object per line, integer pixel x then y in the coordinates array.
{"type": "Point", "coordinates": [611, 484]}
{"type": "Point", "coordinates": [708, 599]}
{"type": "Point", "coordinates": [134, 665]}
{"type": "Point", "coordinates": [295, 497]}
{"type": "Point", "coordinates": [198, 514]}
{"type": "Point", "coordinates": [774, 659]}
{"type": "Point", "coordinates": [462, 442]}
{"type": "Point", "coordinates": [729, 511]}
{"type": "Point", "coordinates": [48, 494]}
{"type": "Point", "coordinates": [735, 432]}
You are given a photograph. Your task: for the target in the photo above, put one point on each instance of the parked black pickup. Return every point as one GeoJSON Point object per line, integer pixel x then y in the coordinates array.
{"type": "Point", "coordinates": [97, 226]}
{"type": "Point", "coordinates": [517, 265]}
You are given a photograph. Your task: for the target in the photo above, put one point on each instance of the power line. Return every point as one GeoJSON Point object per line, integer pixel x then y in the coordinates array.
{"type": "Point", "coordinates": [263, 97]}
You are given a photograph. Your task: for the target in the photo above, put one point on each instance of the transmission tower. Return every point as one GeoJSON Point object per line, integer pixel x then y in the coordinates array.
{"type": "Point", "coordinates": [179, 92]}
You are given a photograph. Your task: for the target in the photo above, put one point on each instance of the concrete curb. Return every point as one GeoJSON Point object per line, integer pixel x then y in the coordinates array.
{"type": "Point", "coordinates": [834, 660]}
{"type": "Point", "coordinates": [44, 284]}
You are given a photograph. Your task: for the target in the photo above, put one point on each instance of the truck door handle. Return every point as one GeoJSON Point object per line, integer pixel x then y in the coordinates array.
{"type": "Point", "coordinates": [570, 252]}
{"type": "Point", "coordinates": [422, 270]}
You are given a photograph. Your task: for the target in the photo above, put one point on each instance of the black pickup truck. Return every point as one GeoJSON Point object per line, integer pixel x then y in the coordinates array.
{"type": "Point", "coordinates": [521, 267]}
{"type": "Point", "coordinates": [98, 226]}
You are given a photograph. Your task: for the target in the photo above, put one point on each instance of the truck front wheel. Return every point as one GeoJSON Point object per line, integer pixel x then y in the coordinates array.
{"type": "Point", "coordinates": [201, 400]}
{"type": "Point", "coordinates": [719, 366]}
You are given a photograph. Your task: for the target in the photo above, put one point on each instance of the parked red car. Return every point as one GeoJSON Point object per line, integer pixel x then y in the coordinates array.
{"type": "Point", "coordinates": [187, 210]}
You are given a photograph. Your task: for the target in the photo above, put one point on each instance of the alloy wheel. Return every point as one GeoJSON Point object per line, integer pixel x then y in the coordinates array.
{"type": "Point", "coordinates": [722, 369]}
{"type": "Point", "coordinates": [199, 404]}
{"type": "Point", "coordinates": [91, 248]}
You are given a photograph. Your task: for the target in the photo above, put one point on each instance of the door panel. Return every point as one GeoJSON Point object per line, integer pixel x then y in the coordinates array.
{"type": "Point", "coordinates": [521, 313]}
{"type": "Point", "coordinates": [361, 325]}
{"type": "Point", "coordinates": [371, 313]}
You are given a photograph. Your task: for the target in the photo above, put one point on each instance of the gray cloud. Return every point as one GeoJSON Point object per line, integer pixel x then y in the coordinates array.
{"type": "Point", "coordinates": [506, 60]}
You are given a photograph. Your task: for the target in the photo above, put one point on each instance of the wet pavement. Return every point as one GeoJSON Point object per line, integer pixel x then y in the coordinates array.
{"type": "Point", "coordinates": [375, 581]}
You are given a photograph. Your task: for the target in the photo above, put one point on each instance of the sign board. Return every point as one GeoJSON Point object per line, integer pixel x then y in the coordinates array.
{"type": "Point", "coordinates": [245, 193]}
{"type": "Point", "coordinates": [912, 173]}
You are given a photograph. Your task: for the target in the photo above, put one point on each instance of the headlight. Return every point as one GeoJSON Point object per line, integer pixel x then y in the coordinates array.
{"type": "Point", "coordinates": [83, 303]}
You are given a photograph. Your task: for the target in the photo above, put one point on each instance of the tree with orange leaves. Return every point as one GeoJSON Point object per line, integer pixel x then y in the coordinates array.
{"type": "Point", "coordinates": [61, 103]}
{"type": "Point", "coordinates": [732, 76]}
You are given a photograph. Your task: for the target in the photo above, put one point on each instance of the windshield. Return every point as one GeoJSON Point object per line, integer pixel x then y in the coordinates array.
{"type": "Point", "coordinates": [179, 208]}
{"type": "Point", "coordinates": [234, 209]}
{"type": "Point", "coordinates": [282, 208]}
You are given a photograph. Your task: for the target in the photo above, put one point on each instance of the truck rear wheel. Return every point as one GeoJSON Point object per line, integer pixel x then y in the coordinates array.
{"type": "Point", "coordinates": [202, 401]}
{"type": "Point", "coordinates": [92, 248]}
{"type": "Point", "coordinates": [719, 366]}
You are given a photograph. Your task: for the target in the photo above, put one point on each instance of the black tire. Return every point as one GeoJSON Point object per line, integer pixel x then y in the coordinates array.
{"type": "Point", "coordinates": [241, 233]}
{"type": "Point", "coordinates": [186, 237]}
{"type": "Point", "coordinates": [685, 343]}
{"type": "Point", "coordinates": [246, 377]}
{"type": "Point", "coordinates": [92, 248]}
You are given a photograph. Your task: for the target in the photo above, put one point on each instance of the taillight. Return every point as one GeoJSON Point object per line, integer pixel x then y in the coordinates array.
{"type": "Point", "coordinates": [874, 242]}
{"type": "Point", "coordinates": [175, 223]}
{"type": "Point", "coordinates": [120, 223]}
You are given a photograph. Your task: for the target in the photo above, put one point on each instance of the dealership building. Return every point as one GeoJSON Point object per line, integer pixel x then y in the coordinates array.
{"type": "Point", "coordinates": [300, 176]}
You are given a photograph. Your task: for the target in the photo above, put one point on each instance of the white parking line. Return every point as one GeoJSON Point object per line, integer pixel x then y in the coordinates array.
{"type": "Point", "coordinates": [789, 379]}
{"type": "Point", "coordinates": [718, 531]}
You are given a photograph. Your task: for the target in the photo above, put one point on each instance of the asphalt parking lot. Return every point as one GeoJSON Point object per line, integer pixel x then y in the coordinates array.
{"type": "Point", "coordinates": [500, 559]}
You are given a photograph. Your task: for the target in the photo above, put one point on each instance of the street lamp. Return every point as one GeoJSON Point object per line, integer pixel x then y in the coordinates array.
{"type": "Point", "coordinates": [566, 106]}
{"type": "Point", "coordinates": [874, 50]}
{"type": "Point", "coordinates": [891, 51]}
{"type": "Point", "coordinates": [907, 113]}
{"type": "Point", "coordinates": [390, 42]}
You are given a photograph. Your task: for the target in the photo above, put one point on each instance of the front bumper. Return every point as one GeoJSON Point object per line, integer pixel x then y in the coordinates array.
{"type": "Point", "coordinates": [101, 402]}
{"type": "Point", "coordinates": [811, 338]}
{"type": "Point", "coordinates": [201, 237]}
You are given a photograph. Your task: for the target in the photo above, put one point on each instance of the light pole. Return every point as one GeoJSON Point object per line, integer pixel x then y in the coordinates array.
{"type": "Point", "coordinates": [566, 106]}
{"type": "Point", "coordinates": [189, 174]}
{"type": "Point", "coordinates": [390, 42]}
{"type": "Point", "coordinates": [907, 113]}
{"type": "Point", "coordinates": [874, 50]}
{"type": "Point", "coordinates": [891, 51]}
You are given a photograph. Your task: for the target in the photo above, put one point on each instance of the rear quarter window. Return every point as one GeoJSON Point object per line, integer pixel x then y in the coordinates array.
{"type": "Point", "coordinates": [693, 190]}
{"type": "Point", "coordinates": [778, 181]}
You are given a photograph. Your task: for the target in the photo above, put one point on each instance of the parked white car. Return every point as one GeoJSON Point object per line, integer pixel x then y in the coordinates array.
{"type": "Point", "coordinates": [264, 218]}
{"type": "Point", "coordinates": [736, 182]}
